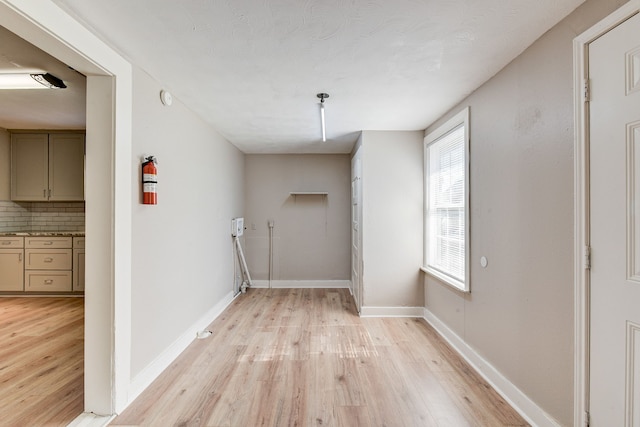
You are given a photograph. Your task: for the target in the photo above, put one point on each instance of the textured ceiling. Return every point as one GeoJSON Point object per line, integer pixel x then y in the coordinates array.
{"type": "Point", "coordinates": [252, 68]}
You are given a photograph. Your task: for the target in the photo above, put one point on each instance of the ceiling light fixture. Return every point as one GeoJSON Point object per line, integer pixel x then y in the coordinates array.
{"type": "Point", "coordinates": [322, 97]}
{"type": "Point", "coordinates": [30, 81]}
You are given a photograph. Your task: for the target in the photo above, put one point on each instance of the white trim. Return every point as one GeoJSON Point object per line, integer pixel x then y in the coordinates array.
{"type": "Point", "coordinates": [445, 279]}
{"type": "Point", "coordinates": [461, 118]}
{"type": "Point", "coordinates": [302, 284]}
{"type": "Point", "coordinates": [88, 419]}
{"type": "Point", "coordinates": [526, 407]}
{"type": "Point", "coordinates": [632, 189]}
{"type": "Point", "coordinates": [581, 207]}
{"type": "Point", "coordinates": [160, 363]}
{"type": "Point", "coordinates": [368, 311]}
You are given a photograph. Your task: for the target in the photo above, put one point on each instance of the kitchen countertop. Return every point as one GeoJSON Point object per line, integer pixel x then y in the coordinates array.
{"type": "Point", "coordinates": [43, 233]}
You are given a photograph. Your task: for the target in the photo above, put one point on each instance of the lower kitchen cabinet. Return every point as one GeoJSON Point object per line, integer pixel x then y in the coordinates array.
{"type": "Point", "coordinates": [11, 264]}
{"type": "Point", "coordinates": [11, 269]}
{"type": "Point", "coordinates": [78, 264]}
{"type": "Point", "coordinates": [48, 264]}
{"type": "Point", "coordinates": [41, 263]}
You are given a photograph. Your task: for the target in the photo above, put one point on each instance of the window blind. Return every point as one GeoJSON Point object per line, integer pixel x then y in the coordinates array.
{"type": "Point", "coordinates": [446, 204]}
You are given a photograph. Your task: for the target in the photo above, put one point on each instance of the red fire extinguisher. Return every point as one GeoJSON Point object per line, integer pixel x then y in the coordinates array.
{"type": "Point", "coordinates": [149, 181]}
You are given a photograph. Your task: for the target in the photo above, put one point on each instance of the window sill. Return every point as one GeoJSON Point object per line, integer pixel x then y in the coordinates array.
{"type": "Point", "coordinates": [449, 281]}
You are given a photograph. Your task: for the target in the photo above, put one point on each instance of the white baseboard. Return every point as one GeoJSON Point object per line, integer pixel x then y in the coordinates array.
{"type": "Point", "coordinates": [534, 414]}
{"type": "Point", "coordinates": [88, 419]}
{"type": "Point", "coordinates": [302, 284]}
{"type": "Point", "coordinates": [155, 368]}
{"type": "Point", "coordinates": [368, 311]}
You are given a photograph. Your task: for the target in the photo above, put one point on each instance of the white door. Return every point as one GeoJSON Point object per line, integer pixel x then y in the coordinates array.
{"type": "Point", "coordinates": [356, 224]}
{"type": "Point", "coordinates": [614, 73]}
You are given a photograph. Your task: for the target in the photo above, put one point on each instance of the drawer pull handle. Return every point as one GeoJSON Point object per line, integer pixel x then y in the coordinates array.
{"type": "Point", "coordinates": [48, 281]}
{"type": "Point", "coordinates": [6, 242]}
{"type": "Point", "coordinates": [48, 243]}
{"type": "Point", "coordinates": [48, 260]}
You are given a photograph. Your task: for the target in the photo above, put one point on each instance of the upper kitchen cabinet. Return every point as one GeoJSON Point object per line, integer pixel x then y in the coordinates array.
{"type": "Point", "coordinates": [47, 166]}
{"type": "Point", "coordinates": [66, 166]}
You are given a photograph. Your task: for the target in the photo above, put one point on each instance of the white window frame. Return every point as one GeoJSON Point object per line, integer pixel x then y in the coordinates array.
{"type": "Point", "coordinates": [460, 119]}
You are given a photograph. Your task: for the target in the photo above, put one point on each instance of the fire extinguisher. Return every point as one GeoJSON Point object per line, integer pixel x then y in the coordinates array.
{"type": "Point", "coordinates": [149, 181]}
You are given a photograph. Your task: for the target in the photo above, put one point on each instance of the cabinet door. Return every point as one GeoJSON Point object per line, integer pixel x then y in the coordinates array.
{"type": "Point", "coordinates": [29, 166]}
{"type": "Point", "coordinates": [66, 167]}
{"type": "Point", "coordinates": [78, 270]}
{"type": "Point", "coordinates": [11, 270]}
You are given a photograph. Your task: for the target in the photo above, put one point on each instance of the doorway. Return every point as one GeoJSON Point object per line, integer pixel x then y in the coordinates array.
{"type": "Point", "coordinates": [607, 376]}
{"type": "Point", "coordinates": [108, 200]}
{"type": "Point", "coordinates": [25, 318]}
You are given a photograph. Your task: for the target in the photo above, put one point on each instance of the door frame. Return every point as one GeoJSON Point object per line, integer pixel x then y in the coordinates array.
{"type": "Point", "coordinates": [108, 194]}
{"type": "Point", "coordinates": [357, 288]}
{"type": "Point", "coordinates": [582, 224]}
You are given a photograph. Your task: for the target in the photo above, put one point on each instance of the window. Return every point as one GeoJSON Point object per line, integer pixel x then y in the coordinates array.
{"type": "Point", "coordinates": [446, 218]}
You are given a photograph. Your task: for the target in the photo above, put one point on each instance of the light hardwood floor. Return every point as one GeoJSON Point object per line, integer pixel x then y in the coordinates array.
{"type": "Point", "coordinates": [41, 361]}
{"type": "Point", "coordinates": [302, 357]}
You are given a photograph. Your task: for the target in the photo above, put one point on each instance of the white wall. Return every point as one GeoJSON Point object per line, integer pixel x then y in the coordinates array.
{"type": "Point", "coordinates": [392, 191]}
{"type": "Point", "coordinates": [311, 233]}
{"type": "Point", "coordinates": [519, 314]}
{"type": "Point", "coordinates": [181, 248]}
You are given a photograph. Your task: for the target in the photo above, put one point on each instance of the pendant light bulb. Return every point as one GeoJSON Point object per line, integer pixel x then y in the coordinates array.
{"type": "Point", "coordinates": [324, 129]}
{"type": "Point", "coordinates": [322, 97]}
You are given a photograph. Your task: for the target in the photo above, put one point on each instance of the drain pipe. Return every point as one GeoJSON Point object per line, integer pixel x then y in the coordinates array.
{"type": "Point", "coordinates": [271, 224]}
{"type": "Point", "coordinates": [243, 265]}
{"type": "Point", "coordinates": [236, 280]}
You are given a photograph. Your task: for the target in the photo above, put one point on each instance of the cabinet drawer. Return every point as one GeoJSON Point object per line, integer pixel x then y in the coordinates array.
{"type": "Point", "coordinates": [78, 243]}
{"type": "Point", "coordinates": [48, 259]}
{"type": "Point", "coordinates": [7, 242]}
{"type": "Point", "coordinates": [43, 281]}
{"type": "Point", "coordinates": [47, 242]}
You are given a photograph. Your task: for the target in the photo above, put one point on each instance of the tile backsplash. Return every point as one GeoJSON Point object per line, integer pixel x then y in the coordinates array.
{"type": "Point", "coordinates": [41, 216]}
